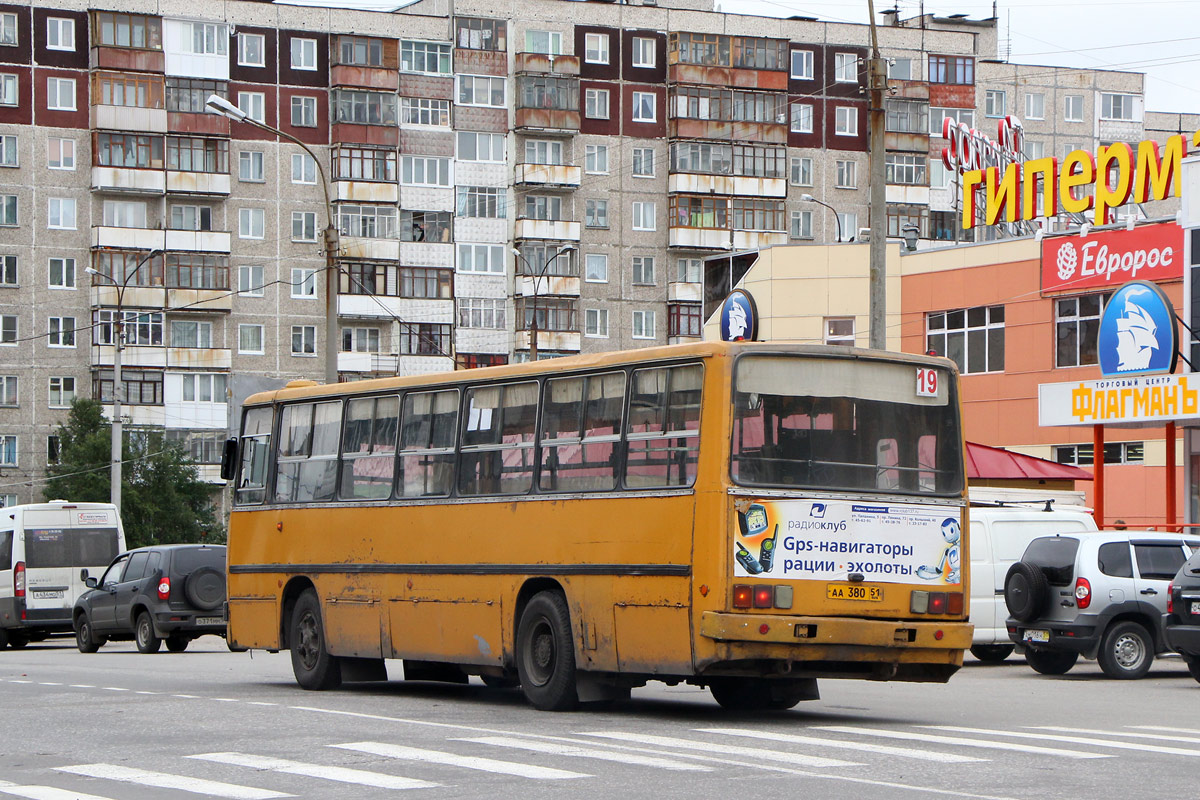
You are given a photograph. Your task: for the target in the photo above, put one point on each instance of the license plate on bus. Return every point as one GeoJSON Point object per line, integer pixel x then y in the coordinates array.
{"type": "Point", "coordinates": [853, 591]}
{"type": "Point", "coordinates": [210, 621]}
{"type": "Point", "coordinates": [48, 594]}
{"type": "Point", "coordinates": [1037, 636]}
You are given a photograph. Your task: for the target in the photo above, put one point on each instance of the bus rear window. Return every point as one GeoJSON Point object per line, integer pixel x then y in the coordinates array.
{"type": "Point", "coordinates": [70, 547]}
{"type": "Point", "coordinates": [844, 424]}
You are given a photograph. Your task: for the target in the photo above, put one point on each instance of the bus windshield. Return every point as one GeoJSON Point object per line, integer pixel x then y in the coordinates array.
{"type": "Point", "coordinates": [844, 424]}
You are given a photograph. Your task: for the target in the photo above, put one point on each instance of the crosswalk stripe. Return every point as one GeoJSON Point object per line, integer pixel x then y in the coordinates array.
{"type": "Point", "coordinates": [867, 747]}
{"type": "Point", "coordinates": [1145, 748]}
{"type": "Point", "coordinates": [162, 780]}
{"type": "Point", "coordinates": [340, 774]}
{"type": "Point", "coordinates": [467, 762]}
{"type": "Point", "coordinates": [913, 736]}
{"type": "Point", "coordinates": [586, 752]}
{"type": "Point", "coordinates": [1160, 736]}
{"type": "Point", "coordinates": [1186, 731]}
{"type": "Point", "coordinates": [45, 793]}
{"type": "Point", "coordinates": [747, 752]}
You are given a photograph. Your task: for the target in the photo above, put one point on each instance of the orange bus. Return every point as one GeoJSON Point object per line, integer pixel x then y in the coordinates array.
{"type": "Point", "coordinates": [743, 516]}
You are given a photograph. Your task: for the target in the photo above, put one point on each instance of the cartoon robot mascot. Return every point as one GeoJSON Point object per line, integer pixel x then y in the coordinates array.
{"type": "Point", "coordinates": [948, 565]}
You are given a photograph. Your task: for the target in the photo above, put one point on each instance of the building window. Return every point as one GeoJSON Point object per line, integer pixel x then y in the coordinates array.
{"type": "Point", "coordinates": [595, 323]}
{"type": "Point", "coordinates": [472, 33]}
{"type": "Point", "coordinates": [643, 325]}
{"type": "Point", "coordinates": [1073, 108]}
{"type": "Point", "coordinates": [908, 116]}
{"type": "Point", "coordinates": [965, 116]}
{"type": "Point", "coordinates": [304, 226]}
{"type": "Point", "coordinates": [905, 169]}
{"type": "Point", "coordinates": [596, 103]}
{"type": "Point", "coordinates": [683, 319]}
{"type": "Point", "coordinates": [994, 103]}
{"type": "Point", "coordinates": [596, 213]}
{"type": "Point", "coordinates": [251, 50]}
{"type": "Point", "coordinates": [191, 218]}
{"type": "Point", "coordinates": [62, 332]}
{"type": "Point", "coordinates": [545, 42]}
{"type": "Point", "coordinates": [304, 282]}
{"type": "Point", "coordinates": [425, 226]}
{"type": "Point", "coordinates": [543, 207]}
{"type": "Point", "coordinates": [483, 147]}
{"type": "Point", "coordinates": [900, 69]}
{"type": "Point", "coordinates": [304, 168]}
{"type": "Point", "coordinates": [250, 166]}
{"type": "Point", "coordinates": [251, 223]}
{"type": "Point", "coordinates": [304, 112]}
{"type": "Point", "coordinates": [60, 153]}
{"type": "Point", "coordinates": [645, 107]}
{"type": "Point", "coordinates": [253, 105]}
{"type": "Point", "coordinates": [802, 171]}
{"type": "Point", "coordinates": [595, 159]}
{"type": "Point", "coordinates": [595, 268]}
{"type": "Point", "coordinates": [481, 312]}
{"type": "Point", "coordinates": [371, 222]}
{"type": "Point", "coordinates": [845, 67]}
{"type": "Point", "coordinates": [845, 121]}
{"type": "Point", "coordinates": [8, 270]}
{"type": "Point", "coordinates": [1082, 455]}
{"type": "Point", "coordinates": [1076, 327]}
{"type": "Point", "coordinates": [802, 65]}
{"type": "Point", "coordinates": [952, 69]}
{"type": "Point", "coordinates": [124, 213]}
{"type": "Point", "coordinates": [189, 95]}
{"type": "Point", "coordinates": [801, 227]}
{"type": "Point", "coordinates": [8, 329]}
{"type": "Point", "coordinates": [1119, 106]}
{"type": "Point", "coordinates": [250, 339]}
{"type": "Point", "coordinates": [424, 111]}
{"type": "Point", "coordinates": [643, 162]}
{"type": "Point", "coordinates": [428, 58]}
{"type": "Point", "coordinates": [60, 33]}
{"type": "Point", "coordinates": [60, 94]}
{"type": "Point", "coordinates": [360, 340]}
{"type": "Point", "coordinates": [802, 118]}
{"type": "Point", "coordinates": [848, 223]}
{"type": "Point", "coordinates": [644, 216]}
{"type": "Point", "coordinates": [304, 54]}
{"type": "Point", "coordinates": [8, 451]}
{"type": "Point", "coordinates": [544, 151]}
{"type": "Point", "coordinates": [1034, 149]}
{"type": "Point", "coordinates": [480, 90]}
{"type": "Point", "coordinates": [643, 270]}
{"type": "Point", "coordinates": [8, 89]}
{"type": "Point", "coordinates": [187, 154]}
{"type": "Point", "coordinates": [191, 334]}
{"type": "Point", "coordinates": [8, 210]}
{"type": "Point", "coordinates": [61, 213]}
{"type": "Point", "coordinates": [364, 164]}
{"type": "Point", "coordinates": [972, 337]}
{"type": "Point", "coordinates": [482, 202]}
{"type": "Point", "coordinates": [487, 259]}
{"type": "Point", "coordinates": [643, 52]}
{"type": "Point", "coordinates": [595, 48]}
{"type": "Point", "coordinates": [62, 391]}
{"type": "Point", "coordinates": [839, 330]}
{"type": "Point", "coordinates": [1035, 105]}
{"type": "Point", "coordinates": [8, 390]}
{"type": "Point", "coordinates": [847, 175]}
{"type": "Point", "coordinates": [250, 280]}
{"type": "Point", "coordinates": [360, 51]}
{"type": "Point", "coordinates": [304, 340]}
{"type": "Point", "coordinates": [688, 270]}
{"type": "Point", "coordinates": [62, 273]}
{"type": "Point", "coordinates": [8, 30]}
{"type": "Point", "coordinates": [205, 38]}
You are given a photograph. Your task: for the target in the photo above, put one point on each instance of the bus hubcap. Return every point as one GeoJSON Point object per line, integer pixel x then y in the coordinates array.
{"type": "Point", "coordinates": [541, 653]}
{"type": "Point", "coordinates": [309, 641]}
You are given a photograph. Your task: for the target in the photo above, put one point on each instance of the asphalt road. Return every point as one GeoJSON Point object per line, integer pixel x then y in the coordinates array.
{"type": "Point", "coordinates": [210, 723]}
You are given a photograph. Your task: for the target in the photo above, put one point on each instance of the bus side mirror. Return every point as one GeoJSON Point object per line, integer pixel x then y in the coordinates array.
{"type": "Point", "coordinates": [229, 459]}
{"type": "Point", "coordinates": [83, 574]}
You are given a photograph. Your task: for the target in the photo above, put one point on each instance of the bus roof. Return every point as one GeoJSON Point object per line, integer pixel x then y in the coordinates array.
{"type": "Point", "coordinates": [615, 358]}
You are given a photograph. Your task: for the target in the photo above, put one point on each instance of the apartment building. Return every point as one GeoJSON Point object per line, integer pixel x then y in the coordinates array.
{"type": "Point", "coordinates": [539, 176]}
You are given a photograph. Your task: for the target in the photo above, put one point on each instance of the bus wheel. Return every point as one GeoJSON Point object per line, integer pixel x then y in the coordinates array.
{"type": "Point", "coordinates": [546, 653]}
{"type": "Point", "coordinates": [17, 640]}
{"type": "Point", "coordinates": [755, 694]}
{"type": "Point", "coordinates": [312, 664]}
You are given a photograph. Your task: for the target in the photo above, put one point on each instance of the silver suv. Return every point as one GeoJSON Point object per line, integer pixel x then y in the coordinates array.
{"type": "Point", "coordinates": [1098, 595]}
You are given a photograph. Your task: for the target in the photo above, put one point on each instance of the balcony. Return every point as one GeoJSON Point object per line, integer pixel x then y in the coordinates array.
{"type": "Point", "coordinates": [560, 230]}
{"type": "Point", "coordinates": [549, 175]}
{"type": "Point", "coordinates": [686, 292]}
{"type": "Point", "coordinates": [198, 182]}
{"type": "Point", "coordinates": [904, 193]}
{"type": "Point", "coordinates": [128, 118]}
{"type": "Point", "coordinates": [559, 285]}
{"type": "Point", "coordinates": [129, 180]}
{"type": "Point", "coordinates": [699, 238]}
{"type": "Point", "coordinates": [197, 124]}
{"type": "Point", "coordinates": [726, 77]}
{"type": "Point", "coordinates": [105, 294]}
{"type": "Point", "coordinates": [364, 77]}
{"type": "Point", "coordinates": [133, 356]}
{"type": "Point", "coordinates": [202, 300]}
{"type": "Point", "coordinates": [549, 341]}
{"type": "Point", "coordinates": [386, 363]}
{"type": "Point", "coordinates": [726, 184]}
{"type": "Point", "coordinates": [362, 306]}
{"type": "Point", "coordinates": [542, 63]}
{"type": "Point", "coordinates": [546, 121]}
{"type": "Point", "coordinates": [139, 416]}
{"type": "Point", "coordinates": [127, 238]}
{"type": "Point", "coordinates": [199, 241]}
{"type": "Point", "coordinates": [204, 358]}
{"type": "Point", "coordinates": [125, 59]}
{"type": "Point", "coordinates": [758, 240]}
{"type": "Point", "coordinates": [366, 191]}
{"type": "Point", "coordinates": [762, 132]}
{"type": "Point", "coordinates": [370, 249]}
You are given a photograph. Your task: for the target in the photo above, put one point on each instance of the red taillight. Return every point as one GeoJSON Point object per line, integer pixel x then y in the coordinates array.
{"type": "Point", "coordinates": [743, 596]}
{"type": "Point", "coordinates": [1170, 598]}
{"type": "Point", "coordinates": [164, 588]}
{"type": "Point", "coordinates": [764, 596]}
{"type": "Point", "coordinates": [19, 579]}
{"type": "Point", "coordinates": [937, 602]}
{"type": "Point", "coordinates": [956, 603]}
{"type": "Point", "coordinates": [1083, 593]}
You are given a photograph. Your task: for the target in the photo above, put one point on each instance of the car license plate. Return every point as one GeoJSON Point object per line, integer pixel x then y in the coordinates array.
{"type": "Point", "coordinates": [853, 591]}
{"type": "Point", "coordinates": [48, 594]}
{"type": "Point", "coordinates": [1037, 636]}
{"type": "Point", "coordinates": [210, 621]}
{"type": "Point", "coordinates": [1195, 607]}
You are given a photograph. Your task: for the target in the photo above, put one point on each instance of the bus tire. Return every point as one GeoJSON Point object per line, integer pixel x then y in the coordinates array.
{"type": "Point", "coordinates": [3, 638]}
{"type": "Point", "coordinates": [312, 664]}
{"type": "Point", "coordinates": [992, 653]}
{"type": "Point", "coordinates": [17, 640]}
{"type": "Point", "coordinates": [546, 653]}
{"type": "Point", "coordinates": [177, 644]}
{"type": "Point", "coordinates": [147, 641]}
{"type": "Point", "coordinates": [757, 694]}
{"type": "Point", "coordinates": [85, 636]}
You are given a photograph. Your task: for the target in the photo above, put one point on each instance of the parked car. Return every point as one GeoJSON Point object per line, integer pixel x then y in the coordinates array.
{"type": "Point", "coordinates": [1102, 595]}
{"type": "Point", "coordinates": [1182, 622]}
{"type": "Point", "coordinates": [171, 592]}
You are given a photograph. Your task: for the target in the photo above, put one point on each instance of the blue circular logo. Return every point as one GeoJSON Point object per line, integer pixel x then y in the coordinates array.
{"type": "Point", "coordinates": [1138, 334]}
{"type": "Point", "coordinates": [739, 317]}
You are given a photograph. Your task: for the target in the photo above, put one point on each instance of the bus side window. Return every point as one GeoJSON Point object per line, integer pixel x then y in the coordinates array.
{"type": "Point", "coordinates": [256, 452]}
{"type": "Point", "coordinates": [664, 427]}
{"type": "Point", "coordinates": [580, 431]}
{"type": "Point", "coordinates": [428, 427]}
{"type": "Point", "coordinates": [6, 541]}
{"type": "Point", "coordinates": [498, 438]}
{"type": "Point", "coordinates": [369, 448]}
{"type": "Point", "coordinates": [308, 452]}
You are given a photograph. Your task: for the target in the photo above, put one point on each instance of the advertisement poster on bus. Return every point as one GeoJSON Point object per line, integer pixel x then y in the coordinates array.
{"type": "Point", "coordinates": [831, 540]}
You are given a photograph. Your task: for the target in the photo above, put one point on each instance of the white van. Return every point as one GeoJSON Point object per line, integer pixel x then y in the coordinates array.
{"type": "Point", "coordinates": [44, 550]}
{"type": "Point", "coordinates": [999, 533]}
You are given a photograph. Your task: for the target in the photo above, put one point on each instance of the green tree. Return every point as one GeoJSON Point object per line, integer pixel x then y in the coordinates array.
{"type": "Point", "coordinates": [163, 499]}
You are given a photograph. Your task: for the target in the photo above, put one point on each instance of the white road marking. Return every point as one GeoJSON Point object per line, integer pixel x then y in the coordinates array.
{"type": "Point", "coordinates": [467, 762]}
{"type": "Point", "coordinates": [145, 692]}
{"type": "Point", "coordinates": [49, 683]}
{"type": "Point", "coordinates": [954, 740]}
{"type": "Point", "coordinates": [260, 703]}
{"type": "Point", "coordinates": [115, 689]}
{"type": "Point", "coordinates": [867, 747]}
{"type": "Point", "coordinates": [340, 774]}
{"type": "Point", "coordinates": [1165, 728]}
{"type": "Point", "coordinates": [186, 696]}
{"type": "Point", "coordinates": [82, 686]}
{"type": "Point", "coordinates": [163, 780]}
{"type": "Point", "coordinates": [745, 752]}
{"type": "Point", "coordinates": [45, 793]}
{"type": "Point", "coordinates": [18, 680]}
{"type": "Point", "coordinates": [1159, 736]}
{"type": "Point", "coordinates": [554, 748]}
{"type": "Point", "coordinates": [1145, 748]}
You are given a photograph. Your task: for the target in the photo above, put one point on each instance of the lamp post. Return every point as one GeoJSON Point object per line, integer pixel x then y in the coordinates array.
{"type": "Point", "coordinates": [219, 105]}
{"type": "Point", "coordinates": [118, 385]}
{"type": "Point", "coordinates": [808, 198]}
{"type": "Point", "coordinates": [566, 248]}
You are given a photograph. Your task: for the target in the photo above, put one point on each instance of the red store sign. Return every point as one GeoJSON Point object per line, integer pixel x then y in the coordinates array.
{"type": "Point", "coordinates": [1110, 258]}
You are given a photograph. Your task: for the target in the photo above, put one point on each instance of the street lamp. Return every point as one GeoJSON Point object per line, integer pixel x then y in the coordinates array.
{"type": "Point", "coordinates": [533, 329]}
{"type": "Point", "coordinates": [808, 198]}
{"type": "Point", "coordinates": [219, 105]}
{"type": "Point", "coordinates": [118, 385]}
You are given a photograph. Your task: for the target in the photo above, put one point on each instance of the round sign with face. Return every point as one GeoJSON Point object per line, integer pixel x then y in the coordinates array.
{"type": "Point", "coordinates": [739, 317]}
{"type": "Point", "coordinates": [1138, 334]}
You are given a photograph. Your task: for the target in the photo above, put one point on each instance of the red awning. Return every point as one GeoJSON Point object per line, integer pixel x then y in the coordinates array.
{"type": "Point", "coordinates": [996, 462]}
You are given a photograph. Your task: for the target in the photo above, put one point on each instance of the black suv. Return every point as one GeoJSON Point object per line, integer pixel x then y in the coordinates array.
{"type": "Point", "coordinates": [1181, 624]}
{"type": "Point", "coordinates": [173, 592]}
